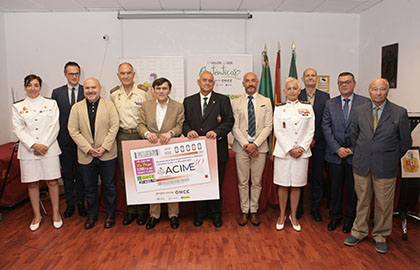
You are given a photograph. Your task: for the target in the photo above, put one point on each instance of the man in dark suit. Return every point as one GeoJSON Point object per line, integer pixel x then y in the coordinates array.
{"type": "Point", "coordinates": [209, 114]}
{"type": "Point", "coordinates": [66, 96]}
{"type": "Point", "coordinates": [380, 136]}
{"type": "Point", "coordinates": [317, 99]}
{"type": "Point", "coordinates": [339, 152]}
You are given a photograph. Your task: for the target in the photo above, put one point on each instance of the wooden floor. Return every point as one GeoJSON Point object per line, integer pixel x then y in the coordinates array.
{"type": "Point", "coordinates": [189, 247]}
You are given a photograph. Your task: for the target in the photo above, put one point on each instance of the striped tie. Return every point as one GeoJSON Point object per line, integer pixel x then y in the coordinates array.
{"type": "Point", "coordinates": [346, 108]}
{"type": "Point", "coordinates": [205, 105]}
{"type": "Point", "coordinates": [375, 118]}
{"type": "Point", "coordinates": [251, 117]}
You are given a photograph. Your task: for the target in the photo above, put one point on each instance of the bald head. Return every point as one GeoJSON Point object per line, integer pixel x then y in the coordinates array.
{"type": "Point", "coordinates": [92, 89]}
{"type": "Point", "coordinates": [310, 78]}
{"type": "Point", "coordinates": [250, 83]}
{"type": "Point", "coordinates": [206, 83]}
{"type": "Point", "coordinates": [378, 90]}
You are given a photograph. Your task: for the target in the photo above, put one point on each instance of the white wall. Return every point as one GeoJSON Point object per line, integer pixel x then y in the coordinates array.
{"type": "Point", "coordinates": [5, 99]}
{"type": "Point", "coordinates": [42, 43]}
{"type": "Point", "coordinates": [387, 23]}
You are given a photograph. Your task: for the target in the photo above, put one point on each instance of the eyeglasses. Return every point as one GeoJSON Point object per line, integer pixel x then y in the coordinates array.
{"type": "Point", "coordinates": [345, 82]}
{"type": "Point", "coordinates": [73, 74]}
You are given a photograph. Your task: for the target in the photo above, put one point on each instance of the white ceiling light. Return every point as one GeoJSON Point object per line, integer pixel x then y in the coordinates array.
{"type": "Point", "coordinates": [184, 14]}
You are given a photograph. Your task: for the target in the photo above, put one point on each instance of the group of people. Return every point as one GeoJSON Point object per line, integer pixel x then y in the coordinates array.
{"type": "Point", "coordinates": [77, 136]}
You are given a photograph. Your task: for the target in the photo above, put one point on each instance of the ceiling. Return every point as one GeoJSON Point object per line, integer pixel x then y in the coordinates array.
{"type": "Point", "coordinates": [320, 6]}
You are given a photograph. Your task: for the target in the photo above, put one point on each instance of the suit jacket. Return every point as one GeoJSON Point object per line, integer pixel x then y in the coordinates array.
{"type": "Point", "coordinates": [106, 129]}
{"type": "Point", "coordinates": [320, 98]}
{"type": "Point", "coordinates": [379, 151]}
{"type": "Point", "coordinates": [337, 132]}
{"type": "Point", "coordinates": [218, 117]}
{"type": "Point", "coordinates": [263, 122]}
{"type": "Point", "coordinates": [173, 120]}
{"type": "Point", "coordinates": [61, 95]}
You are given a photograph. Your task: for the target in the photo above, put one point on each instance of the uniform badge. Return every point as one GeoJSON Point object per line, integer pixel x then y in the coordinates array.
{"type": "Point", "coordinates": [304, 112]}
{"type": "Point", "coordinates": [219, 118]}
{"type": "Point", "coordinates": [284, 124]}
{"type": "Point", "coordinates": [24, 108]}
{"type": "Point", "coordinates": [22, 112]}
{"type": "Point", "coordinates": [138, 102]}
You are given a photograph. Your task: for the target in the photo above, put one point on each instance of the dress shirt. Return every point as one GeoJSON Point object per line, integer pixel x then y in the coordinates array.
{"type": "Point", "coordinates": [92, 109]}
{"type": "Point", "coordinates": [311, 99]}
{"type": "Point", "coordinates": [160, 113]}
{"type": "Point", "coordinates": [76, 90]}
{"type": "Point", "coordinates": [380, 110]}
{"type": "Point", "coordinates": [202, 100]}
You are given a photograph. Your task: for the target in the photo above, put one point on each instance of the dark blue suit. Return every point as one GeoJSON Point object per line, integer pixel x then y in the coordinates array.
{"type": "Point", "coordinates": [74, 190]}
{"type": "Point", "coordinates": [337, 133]}
{"type": "Point", "coordinates": [318, 151]}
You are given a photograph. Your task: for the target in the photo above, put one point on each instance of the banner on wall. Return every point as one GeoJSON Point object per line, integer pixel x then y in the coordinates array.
{"type": "Point", "coordinates": [228, 72]}
{"type": "Point", "coordinates": [180, 171]}
{"type": "Point", "coordinates": [149, 69]}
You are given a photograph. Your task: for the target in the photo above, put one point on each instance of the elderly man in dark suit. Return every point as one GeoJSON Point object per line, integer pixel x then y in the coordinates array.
{"type": "Point", "coordinates": [209, 114]}
{"type": "Point", "coordinates": [317, 99]}
{"type": "Point", "coordinates": [66, 96]}
{"type": "Point", "coordinates": [339, 153]}
{"type": "Point", "coordinates": [381, 136]}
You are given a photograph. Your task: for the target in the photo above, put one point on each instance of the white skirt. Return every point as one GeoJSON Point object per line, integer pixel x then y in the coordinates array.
{"type": "Point", "coordinates": [32, 170]}
{"type": "Point", "coordinates": [290, 172]}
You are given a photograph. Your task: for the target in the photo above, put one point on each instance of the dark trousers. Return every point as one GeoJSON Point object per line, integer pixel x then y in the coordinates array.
{"type": "Point", "coordinates": [211, 208]}
{"type": "Point", "coordinates": [73, 182]}
{"type": "Point", "coordinates": [106, 169]}
{"type": "Point", "coordinates": [340, 176]}
{"type": "Point", "coordinates": [318, 164]}
{"type": "Point", "coordinates": [121, 136]}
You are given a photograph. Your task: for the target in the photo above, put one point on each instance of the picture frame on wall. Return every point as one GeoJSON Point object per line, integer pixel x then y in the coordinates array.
{"type": "Point", "coordinates": [389, 65]}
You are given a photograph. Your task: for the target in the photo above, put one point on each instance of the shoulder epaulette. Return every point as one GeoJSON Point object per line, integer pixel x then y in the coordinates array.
{"type": "Point", "coordinates": [304, 102]}
{"type": "Point", "coordinates": [143, 87]}
{"type": "Point", "coordinates": [114, 89]}
{"type": "Point", "coordinates": [18, 101]}
{"type": "Point", "coordinates": [47, 97]}
{"type": "Point", "coordinates": [281, 104]}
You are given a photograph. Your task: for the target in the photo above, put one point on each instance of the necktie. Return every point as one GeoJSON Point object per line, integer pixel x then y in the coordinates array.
{"type": "Point", "coordinates": [346, 108]}
{"type": "Point", "coordinates": [204, 105]}
{"type": "Point", "coordinates": [73, 96]}
{"type": "Point", "coordinates": [251, 117]}
{"type": "Point", "coordinates": [375, 118]}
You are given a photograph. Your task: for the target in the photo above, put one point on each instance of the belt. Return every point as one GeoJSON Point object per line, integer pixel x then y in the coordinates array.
{"type": "Point", "coordinates": [130, 130]}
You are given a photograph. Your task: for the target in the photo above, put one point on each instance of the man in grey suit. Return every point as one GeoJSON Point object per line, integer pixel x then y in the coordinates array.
{"type": "Point", "coordinates": [339, 152]}
{"type": "Point", "coordinates": [380, 136]}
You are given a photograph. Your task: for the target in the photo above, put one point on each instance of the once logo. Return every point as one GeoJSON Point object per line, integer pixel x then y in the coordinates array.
{"type": "Point", "coordinates": [184, 191]}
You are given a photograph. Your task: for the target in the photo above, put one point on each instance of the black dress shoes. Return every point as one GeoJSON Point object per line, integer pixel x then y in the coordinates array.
{"type": "Point", "coordinates": [198, 221]}
{"type": "Point", "coordinates": [217, 221]}
{"type": "Point", "coordinates": [174, 223]}
{"type": "Point", "coordinates": [81, 209]}
{"type": "Point", "coordinates": [109, 221]}
{"type": "Point", "coordinates": [129, 218]}
{"type": "Point", "coordinates": [333, 224]}
{"type": "Point", "coordinates": [316, 215]}
{"type": "Point", "coordinates": [69, 211]}
{"type": "Point", "coordinates": [90, 222]}
{"type": "Point", "coordinates": [152, 223]}
{"type": "Point", "coordinates": [142, 219]}
{"type": "Point", "coordinates": [347, 226]}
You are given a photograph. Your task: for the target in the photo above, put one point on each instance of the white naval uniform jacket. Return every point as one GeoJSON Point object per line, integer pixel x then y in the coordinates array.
{"type": "Point", "coordinates": [35, 120]}
{"type": "Point", "coordinates": [294, 126]}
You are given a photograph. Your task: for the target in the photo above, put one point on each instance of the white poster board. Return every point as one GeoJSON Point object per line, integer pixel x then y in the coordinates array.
{"type": "Point", "coordinates": [228, 71]}
{"type": "Point", "coordinates": [149, 69]}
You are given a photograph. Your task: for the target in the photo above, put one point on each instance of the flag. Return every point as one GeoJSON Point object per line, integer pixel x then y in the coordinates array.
{"type": "Point", "coordinates": [277, 86]}
{"type": "Point", "coordinates": [292, 70]}
{"type": "Point", "coordinates": [266, 86]}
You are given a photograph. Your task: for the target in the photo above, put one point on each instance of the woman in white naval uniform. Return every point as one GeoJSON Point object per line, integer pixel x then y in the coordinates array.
{"type": "Point", "coordinates": [35, 124]}
{"type": "Point", "coordinates": [294, 126]}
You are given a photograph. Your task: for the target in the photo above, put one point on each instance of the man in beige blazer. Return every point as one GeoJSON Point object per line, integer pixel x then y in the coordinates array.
{"type": "Point", "coordinates": [159, 121]}
{"type": "Point", "coordinates": [93, 125]}
{"type": "Point", "coordinates": [253, 115]}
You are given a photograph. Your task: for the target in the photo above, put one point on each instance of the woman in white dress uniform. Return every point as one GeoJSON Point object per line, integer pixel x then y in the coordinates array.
{"type": "Point", "coordinates": [294, 126]}
{"type": "Point", "coordinates": [35, 124]}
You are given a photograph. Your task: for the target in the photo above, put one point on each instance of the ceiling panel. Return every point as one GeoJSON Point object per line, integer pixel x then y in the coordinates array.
{"type": "Point", "coordinates": [140, 5]}
{"type": "Point", "coordinates": [262, 5]}
{"type": "Point", "coordinates": [58, 5]}
{"type": "Point", "coordinates": [365, 6]}
{"type": "Point", "coordinates": [22, 6]}
{"type": "Point", "coordinates": [340, 6]}
{"type": "Point", "coordinates": [180, 4]}
{"type": "Point", "coordinates": [299, 5]}
{"type": "Point", "coordinates": [220, 4]}
{"type": "Point", "coordinates": [98, 3]}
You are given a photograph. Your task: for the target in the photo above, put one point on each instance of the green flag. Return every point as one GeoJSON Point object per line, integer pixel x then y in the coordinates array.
{"type": "Point", "coordinates": [292, 70]}
{"type": "Point", "coordinates": [266, 86]}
